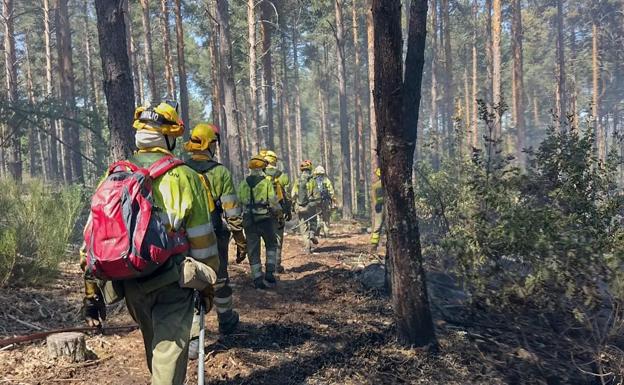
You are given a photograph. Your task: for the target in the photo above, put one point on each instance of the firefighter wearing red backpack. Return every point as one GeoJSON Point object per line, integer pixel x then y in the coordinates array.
{"type": "Point", "coordinates": [260, 209]}
{"type": "Point", "coordinates": [149, 238]}
{"type": "Point", "coordinates": [280, 182]}
{"type": "Point", "coordinates": [226, 214]}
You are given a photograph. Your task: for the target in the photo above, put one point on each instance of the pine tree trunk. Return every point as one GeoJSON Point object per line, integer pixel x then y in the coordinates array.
{"type": "Point", "coordinates": [166, 37]}
{"type": "Point", "coordinates": [518, 79]}
{"type": "Point", "coordinates": [449, 92]}
{"type": "Point", "coordinates": [573, 84]}
{"type": "Point", "coordinates": [496, 67]}
{"type": "Point", "coordinates": [267, 77]}
{"type": "Point", "coordinates": [596, 113]}
{"type": "Point", "coordinates": [213, 55]}
{"type": "Point", "coordinates": [13, 133]}
{"type": "Point", "coordinates": [289, 154]}
{"type": "Point", "coordinates": [360, 159]}
{"type": "Point", "coordinates": [229, 90]}
{"type": "Point", "coordinates": [370, 49]}
{"type": "Point", "coordinates": [298, 133]}
{"type": "Point", "coordinates": [327, 100]}
{"type": "Point", "coordinates": [467, 115]}
{"type": "Point", "coordinates": [488, 51]}
{"type": "Point", "coordinates": [347, 207]}
{"type": "Point", "coordinates": [184, 98]}
{"type": "Point", "coordinates": [253, 75]}
{"type": "Point", "coordinates": [118, 86]}
{"type": "Point", "coordinates": [34, 137]}
{"type": "Point", "coordinates": [53, 160]}
{"type": "Point", "coordinates": [475, 75]}
{"type": "Point", "coordinates": [435, 130]}
{"type": "Point", "coordinates": [148, 51]}
{"type": "Point", "coordinates": [561, 83]}
{"type": "Point", "coordinates": [70, 135]}
{"type": "Point", "coordinates": [397, 104]}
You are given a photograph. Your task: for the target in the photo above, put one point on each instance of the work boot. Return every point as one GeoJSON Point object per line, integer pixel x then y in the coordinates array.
{"type": "Point", "coordinates": [193, 353]}
{"type": "Point", "coordinates": [260, 284]}
{"type": "Point", "coordinates": [228, 321]}
{"type": "Point", "coordinates": [270, 280]}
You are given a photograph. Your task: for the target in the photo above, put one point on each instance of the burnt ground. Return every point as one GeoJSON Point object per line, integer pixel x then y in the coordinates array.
{"type": "Point", "coordinates": [319, 326]}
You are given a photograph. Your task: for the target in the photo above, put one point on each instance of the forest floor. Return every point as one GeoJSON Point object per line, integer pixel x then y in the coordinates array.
{"type": "Point", "coordinates": [321, 325]}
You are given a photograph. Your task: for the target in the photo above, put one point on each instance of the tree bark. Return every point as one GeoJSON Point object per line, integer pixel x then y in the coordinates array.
{"type": "Point", "coordinates": [134, 63]}
{"type": "Point", "coordinates": [34, 135]}
{"type": "Point", "coordinates": [148, 51]}
{"type": "Point", "coordinates": [290, 154]}
{"type": "Point", "coordinates": [267, 75]}
{"type": "Point", "coordinates": [449, 92]}
{"type": "Point", "coordinates": [596, 113]}
{"type": "Point", "coordinates": [370, 45]}
{"type": "Point", "coordinates": [360, 158]}
{"type": "Point", "coordinates": [253, 74]}
{"type": "Point", "coordinates": [118, 86]}
{"type": "Point", "coordinates": [517, 77]}
{"type": "Point", "coordinates": [297, 96]}
{"type": "Point", "coordinates": [166, 37]}
{"type": "Point", "coordinates": [496, 68]}
{"type": "Point", "coordinates": [561, 82]}
{"type": "Point", "coordinates": [184, 98]}
{"type": "Point", "coordinates": [49, 92]}
{"type": "Point", "coordinates": [435, 130]}
{"type": "Point", "coordinates": [70, 133]}
{"type": "Point", "coordinates": [475, 75]}
{"type": "Point", "coordinates": [397, 104]}
{"type": "Point", "coordinates": [13, 132]}
{"type": "Point", "coordinates": [229, 90]}
{"type": "Point", "coordinates": [347, 207]}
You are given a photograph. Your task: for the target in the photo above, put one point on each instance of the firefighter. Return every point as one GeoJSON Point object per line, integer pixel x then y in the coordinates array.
{"type": "Point", "coordinates": [379, 214]}
{"type": "Point", "coordinates": [260, 211]}
{"type": "Point", "coordinates": [226, 214]}
{"type": "Point", "coordinates": [160, 306]}
{"type": "Point", "coordinates": [328, 199]}
{"type": "Point", "coordinates": [307, 196]}
{"type": "Point", "coordinates": [281, 183]}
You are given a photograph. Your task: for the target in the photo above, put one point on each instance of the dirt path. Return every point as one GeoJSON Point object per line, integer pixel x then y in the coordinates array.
{"type": "Point", "coordinates": [319, 326]}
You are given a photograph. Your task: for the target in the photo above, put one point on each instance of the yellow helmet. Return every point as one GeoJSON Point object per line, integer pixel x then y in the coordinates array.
{"type": "Point", "coordinates": [257, 162]}
{"type": "Point", "coordinates": [202, 136]}
{"type": "Point", "coordinates": [319, 170]}
{"type": "Point", "coordinates": [306, 165]}
{"type": "Point", "coordinates": [271, 157]}
{"type": "Point", "coordinates": [161, 118]}
{"type": "Point", "coordinates": [378, 172]}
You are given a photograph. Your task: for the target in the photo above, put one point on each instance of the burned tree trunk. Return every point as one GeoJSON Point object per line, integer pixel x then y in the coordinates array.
{"type": "Point", "coordinates": [396, 102]}
{"type": "Point", "coordinates": [118, 86]}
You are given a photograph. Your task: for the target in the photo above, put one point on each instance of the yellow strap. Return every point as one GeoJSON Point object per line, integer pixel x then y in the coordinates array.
{"type": "Point", "coordinates": [211, 203]}
{"type": "Point", "coordinates": [153, 149]}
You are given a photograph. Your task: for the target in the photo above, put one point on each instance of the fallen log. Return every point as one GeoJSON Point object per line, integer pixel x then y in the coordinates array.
{"type": "Point", "coordinates": [45, 334]}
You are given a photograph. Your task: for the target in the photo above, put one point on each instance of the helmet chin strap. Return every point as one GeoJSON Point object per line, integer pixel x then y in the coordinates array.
{"type": "Point", "coordinates": [170, 146]}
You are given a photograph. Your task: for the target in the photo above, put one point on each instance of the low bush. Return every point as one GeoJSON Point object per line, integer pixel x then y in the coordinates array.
{"type": "Point", "coordinates": [36, 226]}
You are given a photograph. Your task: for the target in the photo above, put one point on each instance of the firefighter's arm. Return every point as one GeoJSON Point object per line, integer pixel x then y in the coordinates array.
{"type": "Point", "coordinates": [93, 306]}
{"type": "Point", "coordinates": [233, 213]}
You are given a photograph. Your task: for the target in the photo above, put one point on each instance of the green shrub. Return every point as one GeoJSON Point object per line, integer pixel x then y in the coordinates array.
{"type": "Point", "coordinates": [35, 229]}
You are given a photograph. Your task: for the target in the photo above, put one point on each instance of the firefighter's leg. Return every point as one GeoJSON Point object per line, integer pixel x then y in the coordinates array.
{"type": "Point", "coordinates": [228, 317]}
{"type": "Point", "coordinates": [280, 241]}
{"type": "Point", "coordinates": [253, 253]}
{"type": "Point", "coordinates": [378, 220]}
{"type": "Point", "coordinates": [269, 235]}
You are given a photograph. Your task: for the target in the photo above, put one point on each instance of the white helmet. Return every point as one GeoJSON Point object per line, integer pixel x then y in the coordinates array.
{"type": "Point", "coordinates": [319, 170]}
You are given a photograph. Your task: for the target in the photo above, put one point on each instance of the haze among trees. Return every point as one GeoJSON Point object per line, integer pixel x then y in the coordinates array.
{"type": "Point", "coordinates": [498, 127]}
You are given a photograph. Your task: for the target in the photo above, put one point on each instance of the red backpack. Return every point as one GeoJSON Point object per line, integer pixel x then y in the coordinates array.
{"type": "Point", "coordinates": [125, 237]}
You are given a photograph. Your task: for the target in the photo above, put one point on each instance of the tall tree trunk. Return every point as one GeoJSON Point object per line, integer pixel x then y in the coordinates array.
{"type": "Point", "coordinates": [94, 99]}
{"type": "Point", "coordinates": [70, 134]}
{"type": "Point", "coordinates": [298, 130]}
{"type": "Point", "coordinates": [347, 207]}
{"type": "Point", "coordinates": [475, 75]}
{"type": "Point", "coordinates": [49, 92]}
{"type": "Point", "coordinates": [215, 96]}
{"type": "Point", "coordinates": [136, 70]}
{"type": "Point", "coordinates": [561, 77]}
{"type": "Point", "coordinates": [34, 135]}
{"type": "Point", "coordinates": [370, 45]}
{"type": "Point", "coordinates": [596, 113]}
{"type": "Point", "coordinates": [148, 51]}
{"type": "Point", "coordinates": [467, 115]}
{"type": "Point", "coordinates": [166, 37]}
{"type": "Point", "coordinates": [229, 90]}
{"type": "Point", "coordinates": [184, 98]}
{"type": "Point", "coordinates": [290, 151]}
{"type": "Point", "coordinates": [267, 70]}
{"type": "Point", "coordinates": [573, 84]}
{"type": "Point", "coordinates": [517, 77]}
{"type": "Point", "coordinates": [449, 92]}
{"type": "Point", "coordinates": [118, 86]}
{"type": "Point", "coordinates": [321, 119]}
{"type": "Point", "coordinates": [496, 67]}
{"type": "Point", "coordinates": [327, 98]}
{"type": "Point", "coordinates": [397, 113]}
{"type": "Point", "coordinates": [359, 156]}
{"type": "Point", "coordinates": [253, 75]}
{"type": "Point", "coordinates": [433, 116]}
{"type": "Point", "coordinates": [13, 134]}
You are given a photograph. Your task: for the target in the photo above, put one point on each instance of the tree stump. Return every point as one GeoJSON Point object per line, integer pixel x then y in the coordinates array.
{"type": "Point", "coordinates": [71, 345]}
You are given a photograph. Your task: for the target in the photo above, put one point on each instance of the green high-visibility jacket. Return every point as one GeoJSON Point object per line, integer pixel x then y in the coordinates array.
{"type": "Point", "coordinates": [258, 198]}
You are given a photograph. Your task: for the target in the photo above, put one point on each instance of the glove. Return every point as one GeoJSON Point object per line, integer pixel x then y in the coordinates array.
{"type": "Point", "coordinates": [94, 310]}
{"type": "Point", "coordinates": [206, 295]}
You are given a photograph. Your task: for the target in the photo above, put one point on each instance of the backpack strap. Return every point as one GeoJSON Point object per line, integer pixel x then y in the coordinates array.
{"type": "Point", "coordinates": [163, 165]}
{"type": "Point", "coordinates": [211, 164]}
{"type": "Point", "coordinates": [122, 165]}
